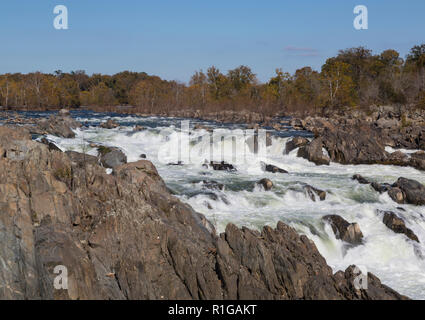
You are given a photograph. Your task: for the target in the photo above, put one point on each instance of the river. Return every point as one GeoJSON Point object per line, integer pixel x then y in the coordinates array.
{"type": "Point", "coordinates": [397, 261]}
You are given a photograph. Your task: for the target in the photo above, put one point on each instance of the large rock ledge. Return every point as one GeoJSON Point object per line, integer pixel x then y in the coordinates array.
{"type": "Point", "coordinates": [123, 236]}
{"type": "Point", "coordinates": [357, 137]}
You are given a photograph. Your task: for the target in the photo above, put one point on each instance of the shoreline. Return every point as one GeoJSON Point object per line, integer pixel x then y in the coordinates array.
{"type": "Point", "coordinates": [374, 131]}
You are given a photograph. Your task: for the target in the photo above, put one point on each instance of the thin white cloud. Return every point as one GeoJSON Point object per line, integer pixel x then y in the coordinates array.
{"type": "Point", "coordinates": [302, 51]}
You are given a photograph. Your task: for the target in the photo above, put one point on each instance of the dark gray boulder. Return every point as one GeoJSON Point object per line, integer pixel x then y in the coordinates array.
{"type": "Point", "coordinates": [296, 142]}
{"type": "Point", "coordinates": [396, 224]}
{"type": "Point", "coordinates": [222, 166]}
{"type": "Point", "coordinates": [413, 191]}
{"type": "Point", "coordinates": [61, 126]}
{"type": "Point", "coordinates": [354, 145]}
{"type": "Point", "coordinates": [273, 169]}
{"type": "Point", "coordinates": [111, 157]}
{"type": "Point", "coordinates": [381, 187]}
{"type": "Point", "coordinates": [360, 179]}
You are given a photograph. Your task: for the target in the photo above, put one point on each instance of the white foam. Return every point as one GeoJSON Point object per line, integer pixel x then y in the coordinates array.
{"type": "Point", "coordinates": [392, 257]}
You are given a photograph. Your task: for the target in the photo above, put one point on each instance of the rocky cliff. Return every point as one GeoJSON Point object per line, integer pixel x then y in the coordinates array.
{"type": "Point", "coordinates": [124, 236]}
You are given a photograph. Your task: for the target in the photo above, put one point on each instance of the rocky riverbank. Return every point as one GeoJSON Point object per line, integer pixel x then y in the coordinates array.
{"type": "Point", "coordinates": [124, 236]}
{"type": "Point", "coordinates": [360, 138]}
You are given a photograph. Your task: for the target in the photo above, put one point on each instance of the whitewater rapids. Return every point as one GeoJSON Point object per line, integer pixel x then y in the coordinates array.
{"type": "Point", "coordinates": [396, 260]}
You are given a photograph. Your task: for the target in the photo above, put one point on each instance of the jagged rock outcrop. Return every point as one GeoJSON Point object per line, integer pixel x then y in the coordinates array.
{"type": "Point", "coordinates": [356, 137]}
{"type": "Point", "coordinates": [314, 193]}
{"type": "Point", "coordinates": [313, 152]}
{"type": "Point", "coordinates": [50, 144]}
{"type": "Point", "coordinates": [396, 224]}
{"type": "Point", "coordinates": [348, 232]}
{"type": "Point", "coordinates": [82, 159]}
{"type": "Point", "coordinates": [61, 125]}
{"type": "Point", "coordinates": [295, 143]}
{"type": "Point", "coordinates": [124, 236]}
{"type": "Point", "coordinates": [354, 145]}
{"type": "Point", "coordinates": [402, 191]}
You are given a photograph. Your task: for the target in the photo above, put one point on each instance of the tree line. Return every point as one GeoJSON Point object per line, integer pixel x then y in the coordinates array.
{"type": "Point", "coordinates": [354, 78]}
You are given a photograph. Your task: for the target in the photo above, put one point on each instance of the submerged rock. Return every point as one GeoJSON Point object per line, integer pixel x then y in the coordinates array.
{"type": "Point", "coordinates": [360, 179]}
{"type": "Point", "coordinates": [222, 166]}
{"type": "Point", "coordinates": [109, 124]}
{"type": "Point", "coordinates": [313, 192]}
{"type": "Point", "coordinates": [64, 112]}
{"type": "Point", "coordinates": [178, 163]}
{"type": "Point", "coordinates": [267, 184]}
{"type": "Point", "coordinates": [348, 232]}
{"type": "Point", "coordinates": [381, 187]}
{"type": "Point", "coordinates": [138, 128]}
{"type": "Point", "coordinates": [214, 185]}
{"type": "Point", "coordinates": [396, 224]}
{"type": "Point", "coordinates": [273, 169]}
{"type": "Point", "coordinates": [210, 184]}
{"type": "Point", "coordinates": [403, 191]}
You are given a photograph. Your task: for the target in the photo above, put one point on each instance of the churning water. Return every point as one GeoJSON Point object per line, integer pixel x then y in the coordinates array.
{"type": "Point", "coordinates": [396, 260]}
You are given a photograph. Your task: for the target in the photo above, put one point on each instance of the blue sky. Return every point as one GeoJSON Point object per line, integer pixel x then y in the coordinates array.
{"type": "Point", "coordinates": [173, 38]}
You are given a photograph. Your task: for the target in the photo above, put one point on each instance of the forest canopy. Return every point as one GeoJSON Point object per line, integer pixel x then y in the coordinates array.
{"type": "Point", "coordinates": [354, 78]}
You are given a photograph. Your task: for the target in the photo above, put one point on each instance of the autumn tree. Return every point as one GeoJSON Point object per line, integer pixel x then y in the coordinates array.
{"type": "Point", "coordinates": [198, 89]}
{"type": "Point", "coordinates": [241, 78]}
{"type": "Point", "coordinates": [415, 65]}
{"type": "Point", "coordinates": [338, 88]}
{"type": "Point", "coordinates": [355, 77]}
